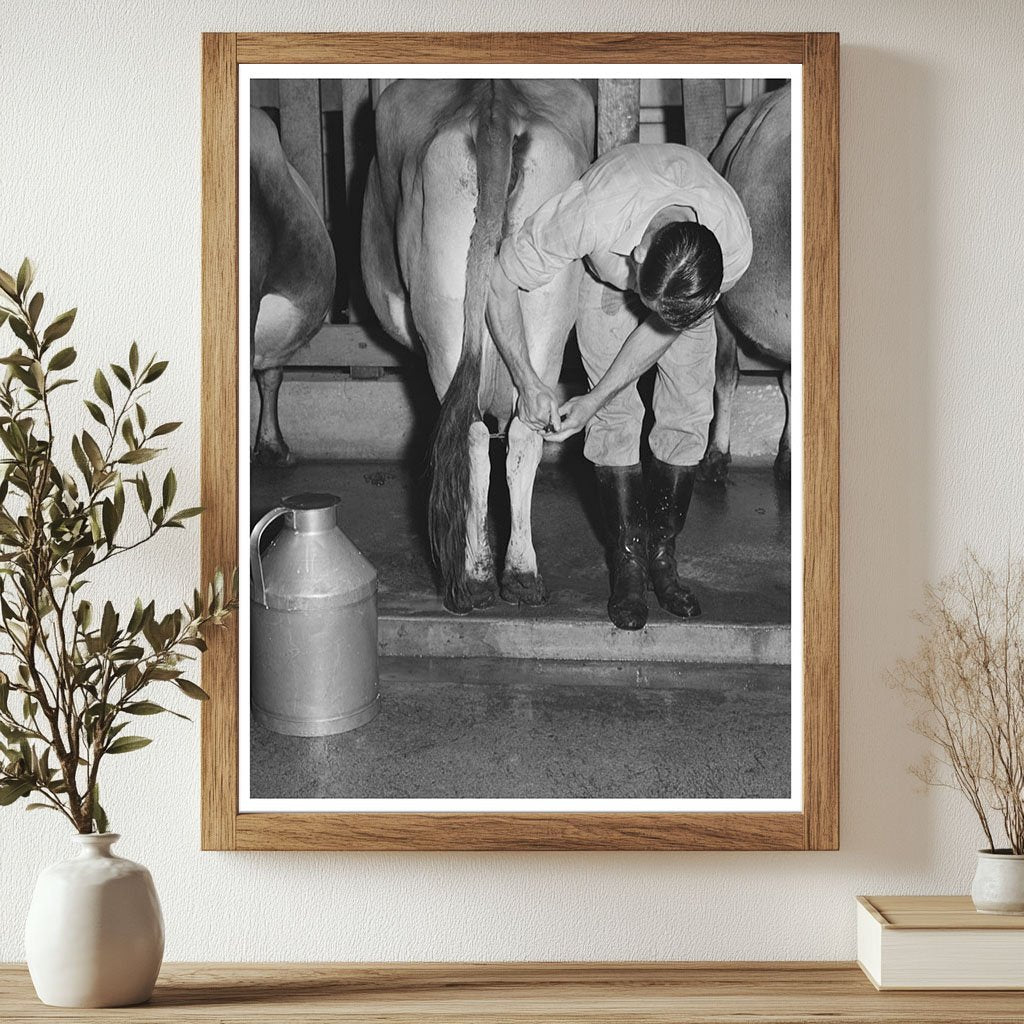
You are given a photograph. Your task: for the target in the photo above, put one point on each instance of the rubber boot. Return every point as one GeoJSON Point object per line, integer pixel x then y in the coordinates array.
{"type": "Point", "coordinates": [668, 497]}
{"type": "Point", "coordinates": [621, 493]}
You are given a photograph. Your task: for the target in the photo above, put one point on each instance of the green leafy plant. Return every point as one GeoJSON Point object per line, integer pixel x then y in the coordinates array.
{"type": "Point", "coordinates": [74, 675]}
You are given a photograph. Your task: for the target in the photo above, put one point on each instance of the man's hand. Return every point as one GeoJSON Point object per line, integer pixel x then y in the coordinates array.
{"type": "Point", "coordinates": [576, 413]}
{"type": "Point", "coordinates": [538, 407]}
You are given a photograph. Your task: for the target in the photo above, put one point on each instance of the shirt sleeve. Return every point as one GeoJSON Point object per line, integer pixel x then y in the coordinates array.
{"type": "Point", "coordinates": [718, 208]}
{"type": "Point", "coordinates": [553, 236]}
{"type": "Point", "coordinates": [721, 209]}
{"type": "Point", "coordinates": [737, 250]}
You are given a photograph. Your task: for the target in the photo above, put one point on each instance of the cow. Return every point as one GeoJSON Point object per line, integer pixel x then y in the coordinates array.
{"type": "Point", "coordinates": [459, 165]}
{"type": "Point", "coordinates": [291, 275]}
{"type": "Point", "coordinates": [753, 155]}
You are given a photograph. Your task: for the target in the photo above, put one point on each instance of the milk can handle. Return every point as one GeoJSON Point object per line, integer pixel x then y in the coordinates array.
{"type": "Point", "coordinates": [259, 590]}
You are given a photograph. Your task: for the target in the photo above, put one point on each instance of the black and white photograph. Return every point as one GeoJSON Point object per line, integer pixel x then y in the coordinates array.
{"type": "Point", "coordinates": [520, 449]}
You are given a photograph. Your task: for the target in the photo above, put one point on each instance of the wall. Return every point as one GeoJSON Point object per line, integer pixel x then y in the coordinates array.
{"type": "Point", "coordinates": [376, 419]}
{"type": "Point", "coordinates": [100, 183]}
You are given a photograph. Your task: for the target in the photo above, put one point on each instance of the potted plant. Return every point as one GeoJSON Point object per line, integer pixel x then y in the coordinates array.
{"type": "Point", "coordinates": [76, 672]}
{"type": "Point", "coordinates": [967, 681]}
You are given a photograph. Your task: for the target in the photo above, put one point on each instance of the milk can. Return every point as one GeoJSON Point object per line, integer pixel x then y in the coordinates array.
{"type": "Point", "coordinates": [314, 623]}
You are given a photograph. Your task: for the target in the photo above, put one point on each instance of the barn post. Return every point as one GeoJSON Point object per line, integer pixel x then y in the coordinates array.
{"type": "Point", "coordinates": [618, 112]}
{"type": "Point", "coordinates": [302, 132]}
{"type": "Point", "coordinates": [358, 141]}
{"type": "Point", "coordinates": [377, 86]}
{"type": "Point", "coordinates": [703, 113]}
{"type": "Point", "coordinates": [264, 92]}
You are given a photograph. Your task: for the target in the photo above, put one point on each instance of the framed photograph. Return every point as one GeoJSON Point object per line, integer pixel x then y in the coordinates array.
{"type": "Point", "coordinates": [520, 399]}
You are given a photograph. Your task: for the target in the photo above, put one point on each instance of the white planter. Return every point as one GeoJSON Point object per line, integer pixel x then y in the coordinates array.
{"type": "Point", "coordinates": [95, 934]}
{"type": "Point", "coordinates": [999, 883]}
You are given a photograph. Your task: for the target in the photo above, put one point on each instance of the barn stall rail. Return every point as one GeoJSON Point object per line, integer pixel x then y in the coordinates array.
{"type": "Point", "coordinates": [353, 392]}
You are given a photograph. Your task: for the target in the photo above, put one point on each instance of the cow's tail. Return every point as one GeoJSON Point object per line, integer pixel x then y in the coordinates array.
{"type": "Point", "coordinates": [449, 453]}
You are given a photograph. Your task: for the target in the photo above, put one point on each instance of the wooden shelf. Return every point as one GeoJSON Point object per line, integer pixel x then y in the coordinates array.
{"type": "Point", "coordinates": [657, 993]}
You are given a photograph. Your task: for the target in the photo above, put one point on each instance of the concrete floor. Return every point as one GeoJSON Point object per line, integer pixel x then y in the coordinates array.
{"type": "Point", "coordinates": [734, 550]}
{"type": "Point", "coordinates": [494, 739]}
{"type": "Point", "coordinates": [614, 725]}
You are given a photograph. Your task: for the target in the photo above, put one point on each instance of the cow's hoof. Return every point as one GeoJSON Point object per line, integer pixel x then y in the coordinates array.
{"type": "Point", "coordinates": [482, 593]}
{"type": "Point", "coordinates": [475, 594]}
{"type": "Point", "coordinates": [456, 607]}
{"type": "Point", "coordinates": [272, 456]}
{"type": "Point", "coordinates": [714, 467]}
{"type": "Point", "coordinates": [782, 467]}
{"type": "Point", "coordinates": [523, 588]}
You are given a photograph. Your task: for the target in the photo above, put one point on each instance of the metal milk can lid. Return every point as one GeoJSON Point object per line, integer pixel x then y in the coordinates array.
{"type": "Point", "coordinates": [310, 564]}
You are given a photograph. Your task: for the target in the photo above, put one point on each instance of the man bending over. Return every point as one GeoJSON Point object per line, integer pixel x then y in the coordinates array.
{"type": "Point", "coordinates": [662, 235]}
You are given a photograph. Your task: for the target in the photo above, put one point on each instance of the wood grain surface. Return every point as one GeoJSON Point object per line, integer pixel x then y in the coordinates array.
{"type": "Point", "coordinates": [817, 826]}
{"type": "Point", "coordinates": [521, 48]}
{"type": "Point", "coordinates": [821, 441]}
{"type": "Point", "coordinates": [941, 913]}
{"type": "Point", "coordinates": [733, 831]}
{"type": "Point", "coordinates": [219, 431]}
{"type": "Point", "coordinates": [615, 993]}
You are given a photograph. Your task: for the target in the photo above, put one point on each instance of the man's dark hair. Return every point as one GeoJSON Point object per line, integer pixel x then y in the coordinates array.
{"type": "Point", "coordinates": [681, 275]}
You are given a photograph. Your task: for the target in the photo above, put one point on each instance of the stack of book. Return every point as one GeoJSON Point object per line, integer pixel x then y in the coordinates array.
{"type": "Point", "coordinates": [938, 942]}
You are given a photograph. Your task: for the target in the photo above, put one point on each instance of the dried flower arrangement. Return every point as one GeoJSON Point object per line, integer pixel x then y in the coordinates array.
{"type": "Point", "coordinates": [967, 682]}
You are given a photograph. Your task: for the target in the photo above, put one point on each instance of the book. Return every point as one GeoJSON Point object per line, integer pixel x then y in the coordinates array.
{"type": "Point", "coordinates": [938, 942]}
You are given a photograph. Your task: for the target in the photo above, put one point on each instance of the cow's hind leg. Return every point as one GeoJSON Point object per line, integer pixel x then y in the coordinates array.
{"type": "Point", "coordinates": [270, 449]}
{"type": "Point", "coordinates": [520, 581]}
{"type": "Point", "coordinates": [714, 467]}
{"type": "Point", "coordinates": [282, 328]}
{"type": "Point", "coordinates": [481, 577]}
{"type": "Point", "coordinates": [782, 460]}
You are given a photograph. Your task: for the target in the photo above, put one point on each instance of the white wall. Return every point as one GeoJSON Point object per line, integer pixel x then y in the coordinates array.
{"type": "Point", "coordinates": [99, 181]}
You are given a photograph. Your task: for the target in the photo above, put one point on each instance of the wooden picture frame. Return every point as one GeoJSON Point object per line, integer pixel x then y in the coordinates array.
{"type": "Point", "coordinates": [816, 826]}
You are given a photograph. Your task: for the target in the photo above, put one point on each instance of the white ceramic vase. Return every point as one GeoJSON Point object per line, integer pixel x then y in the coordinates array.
{"type": "Point", "coordinates": [999, 883]}
{"type": "Point", "coordinates": [95, 933]}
